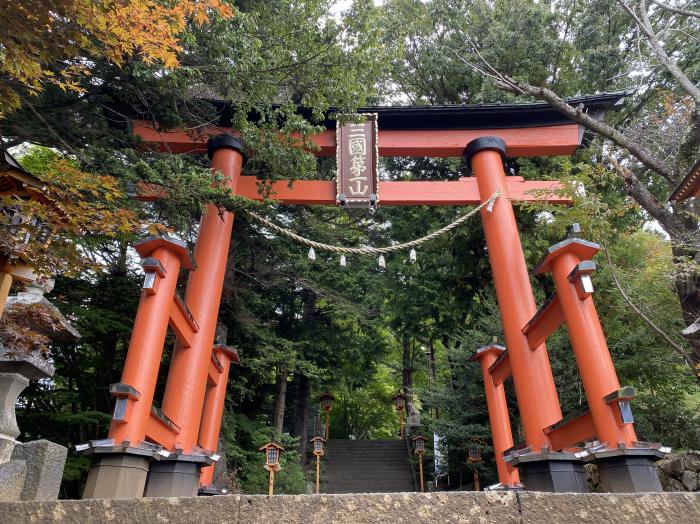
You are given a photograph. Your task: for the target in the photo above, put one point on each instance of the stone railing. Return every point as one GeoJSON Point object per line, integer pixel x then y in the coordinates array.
{"type": "Point", "coordinates": [414, 508]}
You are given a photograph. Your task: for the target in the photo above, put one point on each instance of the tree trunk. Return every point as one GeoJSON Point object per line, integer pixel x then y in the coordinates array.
{"type": "Point", "coordinates": [301, 420]}
{"type": "Point", "coordinates": [432, 373]}
{"type": "Point", "coordinates": [407, 373]}
{"type": "Point", "coordinates": [685, 242]}
{"type": "Point", "coordinates": [280, 399]}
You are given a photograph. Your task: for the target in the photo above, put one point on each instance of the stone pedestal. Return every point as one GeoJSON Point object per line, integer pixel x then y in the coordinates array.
{"type": "Point", "coordinates": [44, 467]}
{"type": "Point", "coordinates": [117, 476]}
{"type": "Point", "coordinates": [555, 472]}
{"type": "Point", "coordinates": [12, 475]}
{"type": "Point", "coordinates": [176, 476]}
{"type": "Point", "coordinates": [628, 470]}
{"type": "Point", "coordinates": [11, 385]}
{"type": "Point", "coordinates": [31, 470]}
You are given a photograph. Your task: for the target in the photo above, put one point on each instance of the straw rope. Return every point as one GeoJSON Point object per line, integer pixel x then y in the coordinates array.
{"type": "Point", "coordinates": [374, 250]}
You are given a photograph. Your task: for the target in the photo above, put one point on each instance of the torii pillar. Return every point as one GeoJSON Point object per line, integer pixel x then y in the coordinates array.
{"type": "Point", "coordinates": [160, 452]}
{"type": "Point", "coordinates": [535, 390]}
{"type": "Point", "coordinates": [499, 420]}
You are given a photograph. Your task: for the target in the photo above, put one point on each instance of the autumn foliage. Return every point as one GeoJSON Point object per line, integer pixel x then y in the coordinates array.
{"type": "Point", "coordinates": [73, 204]}
{"type": "Point", "coordinates": [56, 41]}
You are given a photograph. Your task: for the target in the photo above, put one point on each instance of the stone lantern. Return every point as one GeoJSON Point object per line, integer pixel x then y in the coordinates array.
{"type": "Point", "coordinates": [30, 470]}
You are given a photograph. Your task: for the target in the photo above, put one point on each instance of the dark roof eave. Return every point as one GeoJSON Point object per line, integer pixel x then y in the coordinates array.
{"type": "Point", "coordinates": [466, 116]}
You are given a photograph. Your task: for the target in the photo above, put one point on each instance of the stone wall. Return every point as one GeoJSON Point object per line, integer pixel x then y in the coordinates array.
{"type": "Point", "coordinates": [413, 508]}
{"type": "Point", "coordinates": [680, 471]}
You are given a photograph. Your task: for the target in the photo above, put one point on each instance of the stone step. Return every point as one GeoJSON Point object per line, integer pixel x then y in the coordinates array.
{"type": "Point", "coordinates": [360, 454]}
{"type": "Point", "coordinates": [379, 468]}
{"type": "Point", "coordinates": [368, 476]}
{"type": "Point", "coordinates": [367, 466]}
{"type": "Point", "coordinates": [367, 458]}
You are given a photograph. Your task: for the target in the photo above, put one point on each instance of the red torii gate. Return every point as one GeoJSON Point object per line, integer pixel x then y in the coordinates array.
{"type": "Point", "coordinates": [161, 452]}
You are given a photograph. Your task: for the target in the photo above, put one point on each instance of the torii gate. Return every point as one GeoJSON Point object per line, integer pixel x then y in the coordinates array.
{"type": "Point", "coordinates": [169, 451]}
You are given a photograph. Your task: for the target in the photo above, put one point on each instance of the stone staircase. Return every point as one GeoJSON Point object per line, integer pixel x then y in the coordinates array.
{"type": "Point", "coordinates": [367, 466]}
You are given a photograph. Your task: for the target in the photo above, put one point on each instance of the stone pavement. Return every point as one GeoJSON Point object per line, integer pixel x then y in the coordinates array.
{"type": "Point", "coordinates": [413, 508]}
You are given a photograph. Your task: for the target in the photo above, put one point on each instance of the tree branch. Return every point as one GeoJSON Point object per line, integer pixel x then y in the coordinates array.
{"type": "Point", "coordinates": [678, 10]}
{"type": "Point", "coordinates": [577, 114]}
{"type": "Point", "coordinates": [676, 347]}
{"type": "Point", "coordinates": [641, 153]}
{"type": "Point", "coordinates": [644, 24]}
{"type": "Point", "coordinates": [641, 194]}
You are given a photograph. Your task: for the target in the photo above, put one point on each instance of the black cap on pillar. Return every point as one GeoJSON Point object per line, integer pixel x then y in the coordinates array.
{"type": "Point", "coordinates": [225, 142]}
{"type": "Point", "coordinates": [491, 143]}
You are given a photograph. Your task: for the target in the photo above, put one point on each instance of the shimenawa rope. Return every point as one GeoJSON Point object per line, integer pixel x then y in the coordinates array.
{"type": "Point", "coordinates": [374, 250]}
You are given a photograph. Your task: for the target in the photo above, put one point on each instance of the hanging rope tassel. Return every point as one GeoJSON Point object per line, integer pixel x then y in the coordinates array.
{"type": "Point", "coordinates": [412, 256]}
{"type": "Point", "coordinates": [343, 261]}
{"type": "Point", "coordinates": [489, 208]}
{"type": "Point", "coordinates": [312, 254]}
{"type": "Point", "coordinates": [382, 262]}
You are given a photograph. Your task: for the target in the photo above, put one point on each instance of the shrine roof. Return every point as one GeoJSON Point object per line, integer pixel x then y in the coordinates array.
{"type": "Point", "coordinates": [465, 116]}
{"type": "Point", "coordinates": [689, 186]}
{"type": "Point", "coordinates": [13, 177]}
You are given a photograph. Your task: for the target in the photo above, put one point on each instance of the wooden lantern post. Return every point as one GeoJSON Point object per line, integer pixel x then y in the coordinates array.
{"type": "Point", "coordinates": [272, 462]}
{"type": "Point", "coordinates": [318, 443]}
{"type": "Point", "coordinates": [327, 403]}
{"type": "Point", "coordinates": [400, 403]}
{"type": "Point", "coordinates": [419, 449]}
{"type": "Point", "coordinates": [474, 458]}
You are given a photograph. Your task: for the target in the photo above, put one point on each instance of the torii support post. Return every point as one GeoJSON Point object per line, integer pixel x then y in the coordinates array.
{"type": "Point", "coordinates": [221, 359]}
{"type": "Point", "coordinates": [187, 379]}
{"type": "Point", "coordinates": [121, 466]}
{"type": "Point", "coordinates": [498, 414]}
{"type": "Point", "coordinates": [623, 464]}
{"type": "Point", "coordinates": [155, 452]}
{"type": "Point", "coordinates": [535, 390]}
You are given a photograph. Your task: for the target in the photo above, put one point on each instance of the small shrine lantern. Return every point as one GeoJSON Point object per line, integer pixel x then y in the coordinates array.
{"type": "Point", "coordinates": [326, 401]}
{"type": "Point", "coordinates": [272, 455]}
{"type": "Point", "coordinates": [272, 462]}
{"type": "Point", "coordinates": [419, 449]}
{"type": "Point", "coordinates": [399, 401]}
{"type": "Point", "coordinates": [318, 443]}
{"type": "Point", "coordinates": [419, 445]}
{"type": "Point", "coordinates": [474, 451]}
{"type": "Point", "coordinates": [474, 458]}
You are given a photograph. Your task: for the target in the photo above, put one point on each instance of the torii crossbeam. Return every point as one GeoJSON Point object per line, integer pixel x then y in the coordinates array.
{"type": "Point", "coordinates": [168, 451]}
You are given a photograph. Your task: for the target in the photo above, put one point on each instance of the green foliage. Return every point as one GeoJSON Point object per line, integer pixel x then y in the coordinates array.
{"type": "Point", "coordinates": [243, 438]}
{"type": "Point", "coordinates": [365, 411]}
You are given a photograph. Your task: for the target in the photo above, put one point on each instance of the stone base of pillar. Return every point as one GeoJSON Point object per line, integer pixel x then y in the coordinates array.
{"type": "Point", "coordinates": [209, 491]}
{"type": "Point", "coordinates": [175, 477]}
{"type": "Point", "coordinates": [117, 476]}
{"type": "Point", "coordinates": [555, 472]}
{"type": "Point", "coordinates": [628, 470]}
{"type": "Point", "coordinates": [504, 487]}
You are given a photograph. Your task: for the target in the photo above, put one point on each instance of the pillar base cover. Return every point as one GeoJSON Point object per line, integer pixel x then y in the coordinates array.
{"type": "Point", "coordinates": [628, 470]}
{"type": "Point", "coordinates": [176, 476]}
{"type": "Point", "coordinates": [556, 472]}
{"type": "Point", "coordinates": [117, 476]}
